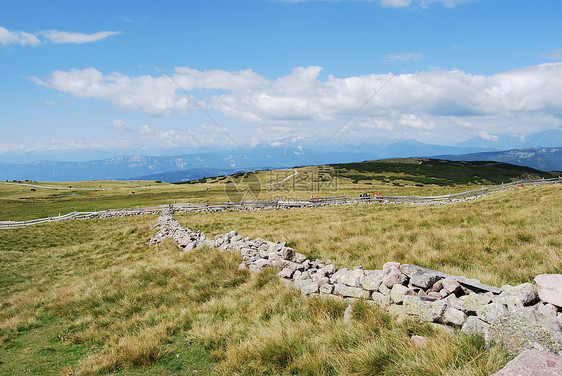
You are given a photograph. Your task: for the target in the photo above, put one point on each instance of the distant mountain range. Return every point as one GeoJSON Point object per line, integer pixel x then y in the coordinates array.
{"type": "Point", "coordinates": [545, 159]}
{"type": "Point", "coordinates": [198, 165]}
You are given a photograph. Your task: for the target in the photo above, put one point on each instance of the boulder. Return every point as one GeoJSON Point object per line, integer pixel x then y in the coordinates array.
{"type": "Point", "coordinates": [524, 294]}
{"type": "Point", "coordinates": [453, 316]}
{"type": "Point", "coordinates": [381, 300]}
{"type": "Point", "coordinates": [307, 287]}
{"type": "Point", "coordinates": [490, 312]}
{"type": "Point", "coordinates": [399, 291]}
{"type": "Point", "coordinates": [288, 253]}
{"type": "Point", "coordinates": [473, 302]}
{"type": "Point", "coordinates": [389, 265]}
{"type": "Point", "coordinates": [371, 280]}
{"type": "Point", "coordinates": [423, 279]}
{"type": "Point", "coordinates": [326, 288]}
{"type": "Point", "coordinates": [451, 286]}
{"type": "Point", "coordinates": [286, 273]}
{"type": "Point", "coordinates": [533, 363]}
{"type": "Point", "coordinates": [473, 325]}
{"type": "Point", "coordinates": [524, 330]}
{"type": "Point", "coordinates": [426, 310]}
{"type": "Point", "coordinates": [352, 292]}
{"type": "Point", "coordinates": [394, 277]}
{"type": "Point", "coordinates": [550, 288]}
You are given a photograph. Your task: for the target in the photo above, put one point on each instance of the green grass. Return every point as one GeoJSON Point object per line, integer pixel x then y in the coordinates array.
{"type": "Point", "coordinates": [91, 297]}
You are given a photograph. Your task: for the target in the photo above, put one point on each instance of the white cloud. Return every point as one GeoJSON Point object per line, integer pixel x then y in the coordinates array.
{"type": "Point", "coordinates": [120, 124]}
{"type": "Point", "coordinates": [554, 54]}
{"type": "Point", "coordinates": [17, 37]}
{"type": "Point", "coordinates": [486, 136]}
{"type": "Point", "coordinates": [54, 36]}
{"type": "Point", "coordinates": [395, 3]}
{"type": "Point", "coordinates": [421, 101]}
{"type": "Point", "coordinates": [60, 37]}
{"type": "Point", "coordinates": [404, 56]}
{"type": "Point", "coordinates": [413, 121]}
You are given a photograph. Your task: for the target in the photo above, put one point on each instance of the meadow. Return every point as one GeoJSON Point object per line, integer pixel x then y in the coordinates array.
{"type": "Point", "coordinates": [91, 297]}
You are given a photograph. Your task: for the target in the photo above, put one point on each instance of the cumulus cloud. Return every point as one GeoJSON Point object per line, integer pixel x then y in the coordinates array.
{"type": "Point", "coordinates": [413, 121]}
{"type": "Point", "coordinates": [486, 136]}
{"type": "Point", "coordinates": [60, 37]}
{"type": "Point", "coordinates": [54, 36]}
{"type": "Point", "coordinates": [17, 37]}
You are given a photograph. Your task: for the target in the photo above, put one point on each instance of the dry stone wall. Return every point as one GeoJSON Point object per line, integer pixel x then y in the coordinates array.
{"type": "Point", "coordinates": [513, 315]}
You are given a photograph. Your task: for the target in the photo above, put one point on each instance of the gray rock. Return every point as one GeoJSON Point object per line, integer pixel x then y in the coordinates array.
{"type": "Point", "coordinates": [300, 258]}
{"type": "Point", "coordinates": [520, 331]}
{"type": "Point", "coordinates": [288, 253]}
{"type": "Point", "coordinates": [394, 277]}
{"type": "Point", "coordinates": [490, 312]}
{"type": "Point", "coordinates": [277, 247]}
{"type": "Point", "coordinates": [437, 286]}
{"type": "Point", "coordinates": [399, 291]}
{"type": "Point", "coordinates": [389, 265]}
{"type": "Point", "coordinates": [547, 310]}
{"type": "Point", "coordinates": [348, 291]}
{"type": "Point", "coordinates": [533, 363]}
{"type": "Point", "coordinates": [383, 289]}
{"type": "Point", "coordinates": [424, 280]}
{"type": "Point", "coordinates": [348, 313]}
{"type": "Point", "coordinates": [371, 280]}
{"type": "Point", "coordinates": [526, 294]}
{"type": "Point", "coordinates": [454, 317]}
{"type": "Point", "coordinates": [381, 300]}
{"type": "Point", "coordinates": [286, 273]}
{"type": "Point", "coordinates": [473, 302]}
{"type": "Point", "coordinates": [474, 326]}
{"type": "Point", "coordinates": [232, 234]}
{"type": "Point", "coordinates": [409, 269]}
{"type": "Point", "coordinates": [326, 288]}
{"type": "Point", "coordinates": [259, 265]}
{"type": "Point", "coordinates": [550, 288]}
{"type": "Point", "coordinates": [431, 311]}
{"type": "Point", "coordinates": [308, 287]}
{"type": "Point", "coordinates": [329, 270]}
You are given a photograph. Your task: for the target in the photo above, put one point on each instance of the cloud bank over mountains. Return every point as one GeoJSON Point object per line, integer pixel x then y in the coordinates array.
{"type": "Point", "coordinates": [415, 100]}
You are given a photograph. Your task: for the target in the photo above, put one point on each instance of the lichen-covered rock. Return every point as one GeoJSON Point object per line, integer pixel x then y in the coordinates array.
{"type": "Point", "coordinates": [399, 291]}
{"type": "Point", "coordinates": [381, 300]}
{"type": "Point", "coordinates": [454, 316]}
{"type": "Point", "coordinates": [522, 330]}
{"type": "Point", "coordinates": [348, 291]}
{"type": "Point", "coordinates": [473, 325]}
{"type": "Point", "coordinates": [307, 287]}
{"type": "Point", "coordinates": [371, 280]}
{"type": "Point", "coordinates": [547, 310]}
{"type": "Point", "coordinates": [423, 279]}
{"type": "Point", "coordinates": [326, 288]}
{"type": "Point", "coordinates": [426, 310]}
{"type": "Point", "coordinates": [550, 288]}
{"type": "Point", "coordinates": [525, 293]}
{"type": "Point", "coordinates": [491, 312]}
{"type": "Point", "coordinates": [473, 302]}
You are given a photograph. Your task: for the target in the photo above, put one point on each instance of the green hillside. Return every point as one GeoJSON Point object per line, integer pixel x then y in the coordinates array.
{"type": "Point", "coordinates": [437, 171]}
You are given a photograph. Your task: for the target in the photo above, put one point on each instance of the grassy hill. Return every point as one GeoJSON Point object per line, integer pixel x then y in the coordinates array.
{"type": "Point", "coordinates": [92, 298]}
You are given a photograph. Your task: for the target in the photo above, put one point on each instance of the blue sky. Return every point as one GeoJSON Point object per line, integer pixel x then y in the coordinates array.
{"type": "Point", "coordinates": [83, 79]}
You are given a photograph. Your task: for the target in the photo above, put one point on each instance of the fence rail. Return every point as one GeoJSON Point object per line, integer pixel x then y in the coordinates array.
{"type": "Point", "coordinates": [285, 204]}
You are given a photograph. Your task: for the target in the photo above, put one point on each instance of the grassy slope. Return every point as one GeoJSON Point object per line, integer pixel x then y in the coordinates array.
{"type": "Point", "coordinates": [392, 177]}
{"type": "Point", "coordinates": [92, 297]}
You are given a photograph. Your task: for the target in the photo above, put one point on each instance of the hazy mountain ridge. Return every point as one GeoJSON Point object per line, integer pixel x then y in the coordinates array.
{"type": "Point", "coordinates": [545, 159]}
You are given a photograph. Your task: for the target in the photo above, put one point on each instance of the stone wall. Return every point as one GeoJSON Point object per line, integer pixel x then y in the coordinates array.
{"type": "Point", "coordinates": [522, 317]}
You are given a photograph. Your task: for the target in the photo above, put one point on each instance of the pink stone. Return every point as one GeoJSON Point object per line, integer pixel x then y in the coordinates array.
{"type": "Point", "coordinates": [533, 363]}
{"type": "Point", "coordinates": [550, 288]}
{"type": "Point", "coordinates": [389, 265]}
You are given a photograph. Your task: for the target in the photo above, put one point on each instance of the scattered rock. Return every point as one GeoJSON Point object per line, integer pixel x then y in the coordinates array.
{"type": "Point", "coordinates": [533, 363]}
{"type": "Point", "coordinates": [419, 341]}
{"type": "Point", "coordinates": [550, 288]}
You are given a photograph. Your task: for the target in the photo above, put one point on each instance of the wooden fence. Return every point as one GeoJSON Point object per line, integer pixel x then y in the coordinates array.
{"type": "Point", "coordinates": [286, 203]}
